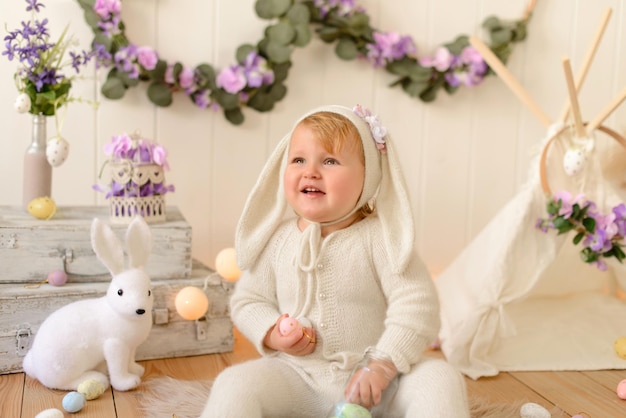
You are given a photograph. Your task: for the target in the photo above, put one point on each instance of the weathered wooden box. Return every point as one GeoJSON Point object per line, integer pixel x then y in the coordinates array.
{"type": "Point", "coordinates": [31, 248]}
{"type": "Point", "coordinates": [23, 309]}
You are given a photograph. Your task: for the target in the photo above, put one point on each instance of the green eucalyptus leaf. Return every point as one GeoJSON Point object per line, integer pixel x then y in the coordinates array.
{"type": "Point", "coordinates": [589, 224]}
{"type": "Point", "coordinates": [501, 36]}
{"type": "Point", "coordinates": [588, 256]}
{"type": "Point", "coordinates": [261, 101]}
{"type": "Point", "coordinates": [491, 23]}
{"type": "Point", "coordinates": [419, 73]}
{"type": "Point", "coordinates": [206, 76]}
{"type": "Point", "coordinates": [413, 89]}
{"type": "Point", "coordinates": [270, 9]}
{"type": "Point", "coordinates": [520, 33]}
{"type": "Point", "coordinates": [113, 88]}
{"type": "Point", "coordinates": [281, 33]}
{"type": "Point", "coordinates": [457, 46]}
{"type": "Point", "coordinates": [328, 34]}
{"type": "Point", "coordinates": [299, 14]}
{"type": "Point", "coordinates": [234, 116]}
{"type": "Point", "coordinates": [160, 94]}
{"type": "Point", "coordinates": [278, 92]}
{"type": "Point", "coordinates": [303, 35]}
{"type": "Point", "coordinates": [346, 49]}
{"type": "Point", "coordinates": [243, 51]}
{"type": "Point", "coordinates": [430, 94]}
{"type": "Point", "coordinates": [227, 100]}
{"type": "Point", "coordinates": [103, 40]}
{"type": "Point", "coordinates": [278, 53]}
{"type": "Point", "coordinates": [281, 71]}
{"type": "Point", "coordinates": [578, 238]}
{"type": "Point", "coordinates": [358, 24]}
{"type": "Point", "coordinates": [159, 71]}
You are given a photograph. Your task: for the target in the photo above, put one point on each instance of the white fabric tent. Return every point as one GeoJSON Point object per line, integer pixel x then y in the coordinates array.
{"type": "Point", "coordinates": [519, 299]}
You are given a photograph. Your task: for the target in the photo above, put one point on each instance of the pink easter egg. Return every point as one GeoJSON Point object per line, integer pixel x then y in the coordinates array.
{"type": "Point", "coordinates": [288, 325]}
{"type": "Point", "coordinates": [621, 389]}
{"type": "Point", "coordinates": [57, 278]}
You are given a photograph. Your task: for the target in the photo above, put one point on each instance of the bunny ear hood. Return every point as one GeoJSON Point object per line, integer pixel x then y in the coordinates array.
{"type": "Point", "coordinates": [266, 205]}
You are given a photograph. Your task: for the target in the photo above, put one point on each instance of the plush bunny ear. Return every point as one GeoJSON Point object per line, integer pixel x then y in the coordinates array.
{"type": "Point", "coordinates": [107, 247]}
{"type": "Point", "coordinates": [138, 242]}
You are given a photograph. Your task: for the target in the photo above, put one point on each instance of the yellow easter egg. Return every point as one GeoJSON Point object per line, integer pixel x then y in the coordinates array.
{"type": "Point", "coordinates": [91, 389]}
{"type": "Point", "coordinates": [620, 347]}
{"type": "Point", "coordinates": [42, 208]}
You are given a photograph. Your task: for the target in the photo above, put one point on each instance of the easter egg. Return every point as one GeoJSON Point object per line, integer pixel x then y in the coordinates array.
{"type": "Point", "coordinates": [191, 303]}
{"type": "Point", "coordinates": [351, 410]}
{"type": "Point", "coordinates": [226, 265]}
{"type": "Point", "coordinates": [289, 325]}
{"type": "Point", "coordinates": [91, 389]}
{"type": "Point", "coordinates": [73, 402]}
{"type": "Point", "coordinates": [22, 103]}
{"type": "Point", "coordinates": [620, 347]}
{"type": "Point", "coordinates": [57, 151]}
{"type": "Point", "coordinates": [533, 410]}
{"type": "Point", "coordinates": [57, 278]}
{"type": "Point", "coordinates": [621, 389]}
{"type": "Point", "coordinates": [50, 413]}
{"type": "Point", "coordinates": [574, 161]}
{"type": "Point", "coordinates": [42, 208]}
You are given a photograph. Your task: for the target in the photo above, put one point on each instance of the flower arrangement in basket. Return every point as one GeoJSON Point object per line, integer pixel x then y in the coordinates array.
{"type": "Point", "coordinates": [137, 185]}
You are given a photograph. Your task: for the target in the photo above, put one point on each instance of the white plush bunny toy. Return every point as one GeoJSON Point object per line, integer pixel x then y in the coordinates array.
{"type": "Point", "coordinates": [74, 342]}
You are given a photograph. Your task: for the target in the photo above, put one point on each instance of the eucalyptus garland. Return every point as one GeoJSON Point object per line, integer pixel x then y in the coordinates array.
{"type": "Point", "coordinates": [257, 81]}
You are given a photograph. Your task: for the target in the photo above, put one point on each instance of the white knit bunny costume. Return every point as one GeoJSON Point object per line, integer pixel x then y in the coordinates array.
{"type": "Point", "coordinates": [361, 286]}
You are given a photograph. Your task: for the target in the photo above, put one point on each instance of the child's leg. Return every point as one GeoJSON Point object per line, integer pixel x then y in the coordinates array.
{"type": "Point", "coordinates": [266, 387]}
{"type": "Point", "coordinates": [432, 389]}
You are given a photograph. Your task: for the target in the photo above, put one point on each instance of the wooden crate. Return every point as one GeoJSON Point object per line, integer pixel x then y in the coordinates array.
{"type": "Point", "coordinates": [31, 248]}
{"type": "Point", "coordinates": [22, 310]}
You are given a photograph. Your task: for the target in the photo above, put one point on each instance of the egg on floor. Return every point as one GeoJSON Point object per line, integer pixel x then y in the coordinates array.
{"type": "Point", "coordinates": [42, 207]}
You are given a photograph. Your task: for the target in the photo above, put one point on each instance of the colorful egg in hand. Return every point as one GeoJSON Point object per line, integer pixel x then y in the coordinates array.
{"type": "Point", "coordinates": [42, 208]}
{"type": "Point", "coordinates": [289, 325]}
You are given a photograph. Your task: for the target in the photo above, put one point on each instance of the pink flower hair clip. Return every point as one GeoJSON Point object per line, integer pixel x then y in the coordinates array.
{"type": "Point", "coordinates": [379, 132]}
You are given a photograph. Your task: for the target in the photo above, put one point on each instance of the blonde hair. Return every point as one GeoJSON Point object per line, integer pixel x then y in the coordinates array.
{"type": "Point", "coordinates": [336, 132]}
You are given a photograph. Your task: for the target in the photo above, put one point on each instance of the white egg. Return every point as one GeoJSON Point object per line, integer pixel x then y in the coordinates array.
{"type": "Point", "coordinates": [57, 151]}
{"type": "Point", "coordinates": [574, 161]}
{"type": "Point", "coordinates": [534, 410]}
{"type": "Point", "coordinates": [50, 413]}
{"type": "Point", "coordinates": [22, 103]}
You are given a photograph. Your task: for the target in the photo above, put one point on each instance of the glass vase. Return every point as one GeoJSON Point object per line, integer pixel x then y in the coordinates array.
{"type": "Point", "coordinates": [37, 180]}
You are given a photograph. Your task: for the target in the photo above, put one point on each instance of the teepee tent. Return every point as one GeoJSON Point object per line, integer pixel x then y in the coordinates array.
{"type": "Point", "coordinates": [518, 299]}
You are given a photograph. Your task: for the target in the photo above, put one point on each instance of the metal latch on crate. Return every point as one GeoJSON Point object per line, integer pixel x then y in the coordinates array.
{"type": "Point", "coordinates": [22, 339]}
{"type": "Point", "coordinates": [202, 327]}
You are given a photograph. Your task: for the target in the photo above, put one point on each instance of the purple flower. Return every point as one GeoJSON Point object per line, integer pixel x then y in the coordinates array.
{"type": "Point", "coordinates": [119, 146]}
{"type": "Point", "coordinates": [441, 61]}
{"type": "Point", "coordinates": [147, 57]}
{"type": "Point", "coordinates": [567, 202]}
{"type": "Point", "coordinates": [202, 99]}
{"type": "Point", "coordinates": [257, 71]}
{"type": "Point", "coordinates": [159, 156]}
{"type": "Point", "coordinates": [389, 47]}
{"type": "Point", "coordinates": [468, 68]}
{"type": "Point", "coordinates": [33, 5]}
{"type": "Point", "coordinates": [186, 78]}
{"type": "Point", "coordinates": [106, 8]}
{"type": "Point", "coordinates": [620, 219]}
{"type": "Point", "coordinates": [232, 79]}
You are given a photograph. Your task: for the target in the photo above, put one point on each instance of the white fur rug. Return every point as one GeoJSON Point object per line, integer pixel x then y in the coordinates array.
{"type": "Point", "coordinates": [165, 397]}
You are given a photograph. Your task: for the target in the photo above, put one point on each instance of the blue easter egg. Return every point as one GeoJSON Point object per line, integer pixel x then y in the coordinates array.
{"type": "Point", "coordinates": [73, 402]}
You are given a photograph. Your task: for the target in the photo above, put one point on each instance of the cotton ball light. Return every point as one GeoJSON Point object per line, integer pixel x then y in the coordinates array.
{"type": "Point", "coordinates": [226, 265]}
{"type": "Point", "coordinates": [534, 410]}
{"type": "Point", "coordinates": [57, 277]}
{"type": "Point", "coordinates": [50, 413]}
{"type": "Point", "coordinates": [73, 402]}
{"type": "Point", "coordinates": [621, 389]}
{"type": "Point", "coordinates": [191, 303]}
{"type": "Point", "coordinates": [91, 389]}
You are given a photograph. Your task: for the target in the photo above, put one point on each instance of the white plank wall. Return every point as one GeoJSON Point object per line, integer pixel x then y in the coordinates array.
{"type": "Point", "coordinates": [464, 155]}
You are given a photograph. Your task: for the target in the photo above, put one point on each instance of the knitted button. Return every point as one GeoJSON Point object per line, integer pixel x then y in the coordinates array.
{"type": "Point", "coordinates": [322, 296]}
{"type": "Point", "coordinates": [320, 266]}
{"type": "Point", "coordinates": [322, 325]}
{"type": "Point", "coordinates": [334, 367]}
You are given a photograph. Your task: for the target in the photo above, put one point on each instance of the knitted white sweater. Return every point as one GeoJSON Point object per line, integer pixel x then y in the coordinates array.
{"type": "Point", "coordinates": [351, 298]}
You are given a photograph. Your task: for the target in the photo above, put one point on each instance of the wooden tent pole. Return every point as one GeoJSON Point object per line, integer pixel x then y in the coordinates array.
{"type": "Point", "coordinates": [508, 78]}
{"type": "Point", "coordinates": [591, 52]}
{"type": "Point", "coordinates": [573, 99]}
{"type": "Point", "coordinates": [606, 112]}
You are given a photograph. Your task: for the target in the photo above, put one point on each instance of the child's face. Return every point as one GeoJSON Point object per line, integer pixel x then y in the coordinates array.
{"type": "Point", "coordinates": [319, 185]}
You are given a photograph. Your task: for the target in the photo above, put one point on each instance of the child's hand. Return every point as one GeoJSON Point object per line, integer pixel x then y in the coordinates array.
{"type": "Point", "coordinates": [297, 341]}
{"type": "Point", "coordinates": [368, 383]}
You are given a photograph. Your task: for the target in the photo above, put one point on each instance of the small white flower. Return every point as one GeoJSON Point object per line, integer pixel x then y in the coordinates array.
{"type": "Point", "coordinates": [22, 103]}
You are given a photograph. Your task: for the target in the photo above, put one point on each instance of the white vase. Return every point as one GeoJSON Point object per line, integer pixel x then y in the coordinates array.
{"type": "Point", "coordinates": [37, 181]}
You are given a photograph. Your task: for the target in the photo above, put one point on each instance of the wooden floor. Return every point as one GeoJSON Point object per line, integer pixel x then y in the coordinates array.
{"type": "Point", "coordinates": [565, 394]}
